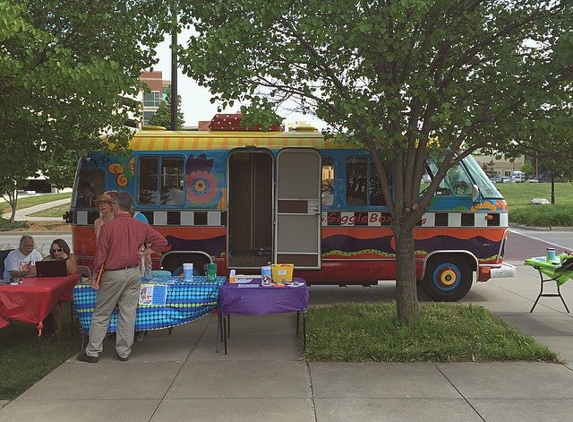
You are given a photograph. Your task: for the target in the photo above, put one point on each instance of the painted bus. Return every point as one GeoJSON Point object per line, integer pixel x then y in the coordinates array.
{"type": "Point", "coordinates": [244, 199]}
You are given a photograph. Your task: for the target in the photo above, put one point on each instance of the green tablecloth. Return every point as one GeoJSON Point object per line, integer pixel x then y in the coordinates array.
{"type": "Point", "coordinates": [548, 268]}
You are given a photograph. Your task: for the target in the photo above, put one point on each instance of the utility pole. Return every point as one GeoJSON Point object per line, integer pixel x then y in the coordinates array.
{"type": "Point", "coordinates": [174, 98]}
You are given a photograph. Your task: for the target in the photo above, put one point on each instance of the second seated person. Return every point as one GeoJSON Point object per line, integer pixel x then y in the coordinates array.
{"type": "Point", "coordinates": [118, 254]}
{"type": "Point", "coordinates": [60, 251]}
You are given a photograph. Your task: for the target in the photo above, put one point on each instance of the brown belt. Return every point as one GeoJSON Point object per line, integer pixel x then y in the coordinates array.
{"type": "Point", "coordinates": [123, 268]}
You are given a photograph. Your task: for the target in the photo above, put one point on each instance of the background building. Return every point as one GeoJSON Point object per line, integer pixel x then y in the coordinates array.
{"type": "Point", "coordinates": [158, 91]}
{"type": "Point", "coordinates": [501, 167]}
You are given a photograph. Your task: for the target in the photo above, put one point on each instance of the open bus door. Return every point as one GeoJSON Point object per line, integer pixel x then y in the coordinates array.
{"type": "Point", "coordinates": [298, 208]}
{"type": "Point", "coordinates": [250, 208]}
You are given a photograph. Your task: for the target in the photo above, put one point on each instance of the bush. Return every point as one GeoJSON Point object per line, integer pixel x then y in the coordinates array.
{"type": "Point", "coordinates": [542, 215]}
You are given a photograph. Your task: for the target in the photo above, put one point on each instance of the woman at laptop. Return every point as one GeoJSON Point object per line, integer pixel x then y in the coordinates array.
{"type": "Point", "coordinates": [60, 251]}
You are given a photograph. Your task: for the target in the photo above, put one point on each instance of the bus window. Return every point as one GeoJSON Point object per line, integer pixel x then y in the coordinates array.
{"type": "Point", "coordinates": [458, 181]}
{"type": "Point", "coordinates": [486, 187]}
{"type": "Point", "coordinates": [327, 181]}
{"type": "Point", "coordinates": [363, 186]}
{"type": "Point", "coordinates": [172, 181]}
{"type": "Point", "coordinates": [376, 193]}
{"type": "Point", "coordinates": [148, 188]}
{"type": "Point", "coordinates": [160, 179]}
{"type": "Point", "coordinates": [356, 177]}
{"type": "Point", "coordinates": [90, 185]}
{"type": "Point", "coordinates": [426, 180]}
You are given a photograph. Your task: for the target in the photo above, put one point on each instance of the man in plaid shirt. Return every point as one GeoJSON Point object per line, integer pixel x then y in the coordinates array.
{"type": "Point", "coordinates": [119, 252]}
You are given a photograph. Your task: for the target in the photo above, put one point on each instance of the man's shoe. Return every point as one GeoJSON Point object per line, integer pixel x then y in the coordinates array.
{"type": "Point", "coordinates": [85, 358]}
{"type": "Point", "coordinates": [122, 359]}
{"type": "Point", "coordinates": [139, 335]}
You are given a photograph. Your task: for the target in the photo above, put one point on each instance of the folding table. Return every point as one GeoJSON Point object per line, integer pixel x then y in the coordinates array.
{"type": "Point", "coordinates": [252, 298]}
{"type": "Point", "coordinates": [34, 298]}
{"type": "Point", "coordinates": [545, 268]}
{"type": "Point", "coordinates": [178, 302]}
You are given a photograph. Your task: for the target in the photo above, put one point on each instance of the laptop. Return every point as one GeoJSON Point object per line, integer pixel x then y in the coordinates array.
{"type": "Point", "coordinates": [51, 269]}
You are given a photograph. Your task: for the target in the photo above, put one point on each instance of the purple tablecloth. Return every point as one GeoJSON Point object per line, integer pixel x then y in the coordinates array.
{"type": "Point", "coordinates": [255, 299]}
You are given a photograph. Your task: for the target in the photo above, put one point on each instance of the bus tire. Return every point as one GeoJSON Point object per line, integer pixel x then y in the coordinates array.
{"type": "Point", "coordinates": [447, 278]}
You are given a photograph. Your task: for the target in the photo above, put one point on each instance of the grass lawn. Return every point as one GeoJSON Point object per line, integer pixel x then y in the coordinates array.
{"type": "Point", "coordinates": [518, 196]}
{"type": "Point", "coordinates": [21, 363]}
{"type": "Point", "coordinates": [30, 201]}
{"type": "Point", "coordinates": [446, 332]}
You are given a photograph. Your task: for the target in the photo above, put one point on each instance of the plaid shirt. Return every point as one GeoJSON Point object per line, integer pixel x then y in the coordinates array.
{"type": "Point", "coordinates": [120, 241]}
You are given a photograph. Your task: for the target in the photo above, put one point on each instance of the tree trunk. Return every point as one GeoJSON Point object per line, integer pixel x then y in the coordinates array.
{"type": "Point", "coordinates": [13, 216]}
{"type": "Point", "coordinates": [406, 286]}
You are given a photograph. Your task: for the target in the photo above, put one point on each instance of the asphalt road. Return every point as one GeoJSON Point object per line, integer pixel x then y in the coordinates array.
{"type": "Point", "coordinates": [525, 243]}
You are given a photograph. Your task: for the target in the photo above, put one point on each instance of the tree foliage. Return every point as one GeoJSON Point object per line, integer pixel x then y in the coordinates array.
{"type": "Point", "coordinates": [393, 75]}
{"type": "Point", "coordinates": [63, 67]}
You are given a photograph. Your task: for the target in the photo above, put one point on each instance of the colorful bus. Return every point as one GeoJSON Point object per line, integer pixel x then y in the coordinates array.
{"type": "Point", "coordinates": [244, 199]}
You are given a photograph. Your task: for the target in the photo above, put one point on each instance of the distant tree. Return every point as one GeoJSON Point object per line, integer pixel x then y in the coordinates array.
{"type": "Point", "coordinates": [60, 168]}
{"type": "Point", "coordinates": [528, 169]}
{"type": "Point", "coordinates": [14, 173]}
{"type": "Point", "coordinates": [488, 168]}
{"type": "Point", "coordinates": [392, 76]}
{"type": "Point", "coordinates": [162, 116]}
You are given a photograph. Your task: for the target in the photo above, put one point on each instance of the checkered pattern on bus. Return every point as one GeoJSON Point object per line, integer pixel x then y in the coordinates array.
{"type": "Point", "coordinates": [329, 218]}
{"type": "Point", "coordinates": [430, 219]}
{"type": "Point", "coordinates": [186, 301]}
{"type": "Point", "coordinates": [162, 218]}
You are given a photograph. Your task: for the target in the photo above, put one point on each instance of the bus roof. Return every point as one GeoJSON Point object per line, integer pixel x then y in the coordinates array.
{"type": "Point", "coordinates": [151, 140]}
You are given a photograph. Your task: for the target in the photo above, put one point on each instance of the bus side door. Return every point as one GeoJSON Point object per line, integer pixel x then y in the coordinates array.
{"type": "Point", "coordinates": [298, 207]}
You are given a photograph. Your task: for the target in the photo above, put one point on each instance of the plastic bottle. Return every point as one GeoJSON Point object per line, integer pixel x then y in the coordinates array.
{"type": "Point", "coordinates": [232, 276]}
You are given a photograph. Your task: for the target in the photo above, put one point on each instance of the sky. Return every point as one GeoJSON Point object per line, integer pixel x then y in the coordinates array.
{"type": "Point", "coordinates": [195, 100]}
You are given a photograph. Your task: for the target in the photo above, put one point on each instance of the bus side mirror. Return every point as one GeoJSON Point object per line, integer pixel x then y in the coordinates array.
{"type": "Point", "coordinates": [475, 193]}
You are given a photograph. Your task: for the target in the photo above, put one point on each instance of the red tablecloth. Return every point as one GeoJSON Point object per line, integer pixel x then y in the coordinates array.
{"type": "Point", "coordinates": [33, 299]}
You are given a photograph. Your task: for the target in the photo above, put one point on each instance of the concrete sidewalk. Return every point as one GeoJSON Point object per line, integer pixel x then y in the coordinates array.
{"type": "Point", "coordinates": [25, 213]}
{"type": "Point", "coordinates": [180, 377]}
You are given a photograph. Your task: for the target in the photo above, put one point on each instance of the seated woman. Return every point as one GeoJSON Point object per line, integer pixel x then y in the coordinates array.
{"type": "Point", "coordinates": [61, 251]}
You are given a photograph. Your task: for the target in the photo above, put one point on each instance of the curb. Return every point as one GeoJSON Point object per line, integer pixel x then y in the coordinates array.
{"type": "Point", "coordinates": [541, 229]}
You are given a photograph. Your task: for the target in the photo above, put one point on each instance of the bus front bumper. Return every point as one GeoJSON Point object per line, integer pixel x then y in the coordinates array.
{"type": "Point", "coordinates": [506, 270]}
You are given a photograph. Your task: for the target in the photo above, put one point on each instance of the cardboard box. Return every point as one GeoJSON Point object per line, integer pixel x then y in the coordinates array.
{"type": "Point", "coordinates": [282, 273]}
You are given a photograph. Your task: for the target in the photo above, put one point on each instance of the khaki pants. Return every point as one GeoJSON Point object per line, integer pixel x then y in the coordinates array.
{"type": "Point", "coordinates": [121, 288]}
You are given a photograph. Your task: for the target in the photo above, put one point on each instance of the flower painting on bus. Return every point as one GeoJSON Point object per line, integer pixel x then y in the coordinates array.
{"type": "Point", "coordinates": [203, 185]}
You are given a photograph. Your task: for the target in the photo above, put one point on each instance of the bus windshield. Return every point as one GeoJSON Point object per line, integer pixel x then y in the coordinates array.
{"type": "Point", "coordinates": [486, 186]}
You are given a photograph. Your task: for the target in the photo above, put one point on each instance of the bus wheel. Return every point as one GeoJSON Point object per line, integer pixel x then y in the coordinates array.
{"type": "Point", "coordinates": [174, 264]}
{"type": "Point", "coordinates": [447, 280]}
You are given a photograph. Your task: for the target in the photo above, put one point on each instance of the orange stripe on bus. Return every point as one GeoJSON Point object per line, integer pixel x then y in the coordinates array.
{"type": "Point", "coordinates": [209, 140]}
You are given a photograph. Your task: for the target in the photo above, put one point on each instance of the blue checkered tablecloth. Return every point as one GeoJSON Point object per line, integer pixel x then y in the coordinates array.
{"type": "Point", "coordinates": [185, 302]}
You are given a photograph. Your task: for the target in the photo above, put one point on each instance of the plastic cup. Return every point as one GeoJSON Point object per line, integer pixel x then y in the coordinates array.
{"type": "Point", "coordinates": [266, 275]}
{"type": "Point", "coordinates": [211, 270]}
{"type": "Point", "coordinates": [551, 255]}
{"type": "Point", "coordinates": [188, 271]}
